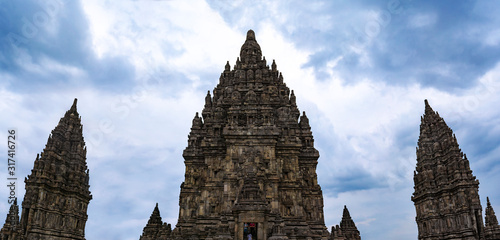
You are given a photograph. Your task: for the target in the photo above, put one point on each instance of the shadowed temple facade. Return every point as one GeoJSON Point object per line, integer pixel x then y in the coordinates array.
{"type": "Point", "coordinates": [250, 173]}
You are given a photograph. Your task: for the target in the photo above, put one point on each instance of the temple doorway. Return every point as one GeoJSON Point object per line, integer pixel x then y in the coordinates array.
{"type": "Point", "coordinates": [250, 231]}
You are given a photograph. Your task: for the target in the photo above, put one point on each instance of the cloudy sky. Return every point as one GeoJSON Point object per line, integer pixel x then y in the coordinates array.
{"type": "Point", "coordinates": [360, 69]}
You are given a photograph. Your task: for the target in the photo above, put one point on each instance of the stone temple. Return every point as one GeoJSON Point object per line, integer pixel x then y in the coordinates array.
{"type": "Point", "coordinates": [250, 173]}
{"type": "Point", "coordinates": [57, 190]}
{"type": "Point", "coordinates": [250, 162]}
{"type": "Point", "coordinates": [446, 192]}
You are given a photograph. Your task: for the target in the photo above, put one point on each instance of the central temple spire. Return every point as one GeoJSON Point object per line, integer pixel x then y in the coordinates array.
{"type": "Point", "coordinates": [250, 165]}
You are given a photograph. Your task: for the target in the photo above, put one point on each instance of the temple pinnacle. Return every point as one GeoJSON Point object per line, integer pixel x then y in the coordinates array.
{"type": "Point", "coordinates": [250, 52]}
{"type": "Point", "coordinates": [251, 35]}
{"type": "Point", "coordinates": [73, 107]}
{"type": "Point", "coordinates": [428, 108]}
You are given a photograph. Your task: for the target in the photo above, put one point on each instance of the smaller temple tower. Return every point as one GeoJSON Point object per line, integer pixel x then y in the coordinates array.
{"type": "Point", "coordinates": [347, 229]}
{"type": "Point", "coordinates": [11, 230]}
{"type": "Point", "coordinates": [156, 229]}
{"type": "Point", "coordinates": [492, 229]}
{"type": "Point", "coordinates": [57, 190]}
{"type": "Point", "coordinates": [446, 193]}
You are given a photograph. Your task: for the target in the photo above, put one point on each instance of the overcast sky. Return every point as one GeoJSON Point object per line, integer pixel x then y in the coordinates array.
{"type": "Point", "coordinates": [360, 69]}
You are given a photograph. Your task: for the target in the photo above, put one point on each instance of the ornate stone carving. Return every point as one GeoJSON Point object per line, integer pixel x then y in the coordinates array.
{"type": "Point", "coordinates": [57, 190]}
{"type": "Point", "coordinates": [446, 193]}
{"type": "Point", "coordinates": [255, 164]}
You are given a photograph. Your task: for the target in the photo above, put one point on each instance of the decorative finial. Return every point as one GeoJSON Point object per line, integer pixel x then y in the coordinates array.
{"type": "Point", "coordinates": [73, 107]}
{"type": "Point", "coordinates": [208, 99]}
{"type": "Point", "coordinates": [250, 52]}
{"type": "Point", "coordinates": [250, 35]}
{"type": "Point", "coordinates": [304, 121]}
{"type": "Point", "coordinates": [428, 109]}
{"type": "Point", "coordinates": [346, 213]}
{"type": "Point", "coordinates": [197, 122]}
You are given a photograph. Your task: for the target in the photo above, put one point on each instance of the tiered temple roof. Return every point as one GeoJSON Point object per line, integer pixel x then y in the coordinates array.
{"type": "Point", "coordinates": [446, 193]}
{"type": "Point", "coordinates": [57, 190]}
{"type": "Point", "coordinates": [347, 229]}
{"type": "Point", "coordinates": [156, 229]}
{"type": "Point", "coordinates": [250, 160]}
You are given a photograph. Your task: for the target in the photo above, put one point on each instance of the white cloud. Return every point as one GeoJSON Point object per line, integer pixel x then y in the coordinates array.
{"type": "Point", "coordinates": [44, 65]}
{"type": "Point", "coordinates": [166, 34]}
{"type": "Point", "coordinates": [492, 38]}
{"type": "Point", "coordinates": [421, 20]}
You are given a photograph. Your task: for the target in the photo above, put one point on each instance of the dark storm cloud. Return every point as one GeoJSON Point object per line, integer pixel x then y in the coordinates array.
{"type": "Point", "coordinates": [445, 54]}
{"type": "Point", "coordinates": [37, 36]}
{"type": "Point", "coordinates": [351, 180]}
{"type": "Point", "coordinates": [392, 35]}
{"type": "Point", "coordinates": [480, 144]}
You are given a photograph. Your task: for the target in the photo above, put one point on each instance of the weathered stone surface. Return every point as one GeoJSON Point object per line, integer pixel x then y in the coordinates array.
{"type": "Point", "coordinates": [57, 190]}
{"type": "Point", "coordinates": [250, 159]}
{"type": "Point", "coordinates": [446, 193]}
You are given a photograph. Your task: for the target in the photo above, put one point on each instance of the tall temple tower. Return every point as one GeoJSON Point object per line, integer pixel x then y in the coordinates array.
{"type": "Point", "coordinates": [250, 161]}
{"type": "Point", "coordinates": [446, 193]}
{"type": "Point", "coordinates": [57, 190]}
